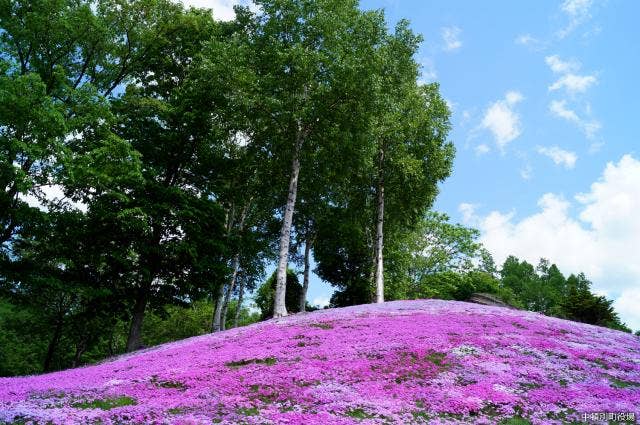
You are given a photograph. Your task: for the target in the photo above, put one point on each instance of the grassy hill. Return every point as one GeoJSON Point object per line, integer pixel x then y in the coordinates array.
{"type": "Point", "coordinates": [399, 362]}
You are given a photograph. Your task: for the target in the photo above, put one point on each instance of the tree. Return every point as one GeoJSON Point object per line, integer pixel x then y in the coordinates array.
{"type": "Point", "coordinates": [342, 254]}
{"type": "Point", "coordinates": [311, 208]}
{"type": "Point", "coordinates": [545, 290]}
{"type": "Point", "coordinates": [550, 290]}
{"type": "Point", "coordinates": [178, 234]}
{"type": "Point", "coordinates": [305, 279]}
{"type": "Point", "coordinates": [410, 130]}
{"type": "Point", "coordinates": [407, 156]}
{"type": "Point", "coordinates": [540, 289]}
{"type": "Point", "coordinates": [583, 306]}
{"type": "Point", "coordinates": [264, 298]}
{"type": "Point", "coordinates": [432, 247]}
{"type": "Point", "coordinates": [68, 283]}
{"type": "Point", "coordinates": [242, 187]}
{"type": "Point", "coordinates": [55, 86]}
{"type": "Point", "coordinates": [310, 73]}
{"type": "Point", "coordinates": [518, 277]}
{"type": "Point", "coordinates": [436, 245]}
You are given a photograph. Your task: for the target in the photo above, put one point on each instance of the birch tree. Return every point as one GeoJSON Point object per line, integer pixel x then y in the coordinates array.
{"type": "Point", "coordinates": [412, 153]}
{"type": "Point", "coordinates": [310, 62]}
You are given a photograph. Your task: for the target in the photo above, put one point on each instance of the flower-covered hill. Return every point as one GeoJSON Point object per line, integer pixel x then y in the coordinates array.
{"type": "Point", "coordinates": [398, 362]}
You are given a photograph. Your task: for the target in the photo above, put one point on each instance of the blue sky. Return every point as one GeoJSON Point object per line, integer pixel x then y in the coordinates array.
{"type": "Point", "coordinates": [501, 47]}
{"type": "Point", "coordinates": [545, 121]}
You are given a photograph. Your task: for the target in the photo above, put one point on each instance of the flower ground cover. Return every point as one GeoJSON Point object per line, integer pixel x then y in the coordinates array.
{"type": "Point", "coordinates": [398, 362]}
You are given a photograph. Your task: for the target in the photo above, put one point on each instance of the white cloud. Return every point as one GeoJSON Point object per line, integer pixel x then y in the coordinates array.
{"type": "Point", "coordinates": [53, 193]}
{"type": "Point", "coordinates": [320, 302]}
{"type": "Point", "coordinates": [428, 71]}
{"type": "Point", "coordinates": [559, 156]}
{"type": "Point", "coordinates": [451, 38]}
{"type": "Point", "coordinates": [627, 307]}
{"type": "Point", "coordinates": [560, 110]}
{"type": "Point", "coordinates": [531, 42]}
{"type": "Point", "coordinates": [526, 39]}
{"type": "Point", "coordinates": [576, 7]}
{"type": "Point", "coordinates": [451, 105]}
{"type": "Point", "coordinates": [526, 172]}
{"type": "Point", "coordinates": [578, 12]}
{"type": "Point", "coordinates": [574, 83]}
{"type": "Point", "coordinates": [513, 97]}
{"type": "Point", "coordinates": [559, 66]}
{"type": "Point", "coordinates": [601, 242]}
{"type": "Point", "coordinates": [501, 119]}
{"type": "Point", "coordinates": [468, 211]}
{"type": "Point", "coordinates": [222, 9]}
{"type": "Point", "coordinates": [482, 149]}
{"type": "Point", "coordinates": [466, 117]}
{"type": "Point", "coordinates": [595, 147]}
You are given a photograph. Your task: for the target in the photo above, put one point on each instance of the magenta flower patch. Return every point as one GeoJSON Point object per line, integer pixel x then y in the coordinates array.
{"type": "Point", "coordinates": [399, 362]}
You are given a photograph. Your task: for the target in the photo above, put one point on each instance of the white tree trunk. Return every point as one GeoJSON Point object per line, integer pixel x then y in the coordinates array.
{"type": "Point", "coordinates": [220, 313]}
{"type": "Point", "coordinates": [217, 312]}
{"type": "Point", "coordinates": [379, 270]}
{"type": "Point", "coordinates": [227, 298]}
{"type": "Point", "coordinates": [236, 319]}
{"type": "Point", "coordinates": [279, 307]}
{"type": "Point", "coordinates": [219, 295]}
{"type": "Point", "coordinates": [305, 278]}
{"type": "Point", "coordinates": [374, 254]}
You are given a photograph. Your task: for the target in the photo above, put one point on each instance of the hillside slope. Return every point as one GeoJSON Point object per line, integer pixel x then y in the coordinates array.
{"type": "Point", "coordinates": [399, 362]}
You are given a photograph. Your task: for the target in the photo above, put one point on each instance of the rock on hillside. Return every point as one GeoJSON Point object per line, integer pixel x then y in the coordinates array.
{"type": "Point", "coordinates": [399, 362]}
{"type": "Point", "coordinates": [488, 299]}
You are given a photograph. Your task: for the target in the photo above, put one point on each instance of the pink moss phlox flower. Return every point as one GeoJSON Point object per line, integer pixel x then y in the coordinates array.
{"type": "Point", "coordinates": [427, 361]}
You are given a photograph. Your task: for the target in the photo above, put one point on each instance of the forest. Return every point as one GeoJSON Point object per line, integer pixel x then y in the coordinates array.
{"type": "Point", "coordinates": [157, 163]}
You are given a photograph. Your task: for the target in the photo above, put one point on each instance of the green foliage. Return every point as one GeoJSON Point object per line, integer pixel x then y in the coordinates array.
{"type": "Point", "coordinates": [546, 290]}
{"type": "Point", "coordinates": [359, 413]}
{"type": "Point", "coordinates": [248, 411]}
{"type": "Point", "coordinates": [23, 354]}
{"type": "Point", "coordinates": [20, 353]}
{"type": "Point", "coordinates": [269, 361]}
{"type": "Point", "coordinates": [460, 286]}
{"type": "Point", "coordinates": [105, 404]}
{"type": "Point", "coordinates": [619, 383]}
{"type": "Point", "coordinates": [247, 316]}
{"type": "Point", "coordinates": [54, 89]}
{"type": "Point", "coordinates": [438, 245]}
{"type": "Point", "coordinates": [343, 256]}
{"type": "Point", "coordinates": [581, 305]}
{"type": "Point", "coordinates": [437, 258]}
{"type": "Point", "coordinates": [264, 295]}
{"type": "Point", "coordinates": [515, 420]}
{"type": "Point", "coordinates": [178, 322]}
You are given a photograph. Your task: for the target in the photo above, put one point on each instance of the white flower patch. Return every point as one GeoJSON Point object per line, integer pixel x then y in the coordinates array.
{"type": "Point", "coordinates": [501, 388]}
{"type": "Point", "coordinates": [578, 345]}
{"type": "Point", "coordinates": [494, 367]}
{"type": "Point", "coordinates": [466, 350]}
{"type": "Point", "coordinates": [529, 351]}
